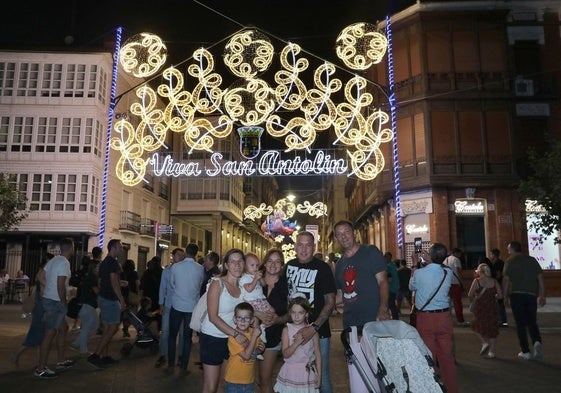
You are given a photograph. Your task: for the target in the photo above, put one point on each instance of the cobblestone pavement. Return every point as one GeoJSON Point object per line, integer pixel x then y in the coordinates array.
{"type": "Point", "coordinates": [137, 372]}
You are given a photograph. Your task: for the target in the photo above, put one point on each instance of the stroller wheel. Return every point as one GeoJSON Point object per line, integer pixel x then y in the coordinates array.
{"type": "Point", "coordinates": [126, 349]}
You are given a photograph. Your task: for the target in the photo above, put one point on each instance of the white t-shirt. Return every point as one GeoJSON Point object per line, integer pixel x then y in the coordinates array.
{"type": "Point", "coordinates": [453, 263]}
{"type": "Point", "coordinates": [257, 292]}
{"type": "Point", "coordinates": [58, 266]}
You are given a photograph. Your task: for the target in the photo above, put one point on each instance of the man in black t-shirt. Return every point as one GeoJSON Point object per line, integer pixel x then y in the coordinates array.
{"type": "Point", "coordinates": [313, 278]}
{"type": "Point", "coordinates": [110, 301]}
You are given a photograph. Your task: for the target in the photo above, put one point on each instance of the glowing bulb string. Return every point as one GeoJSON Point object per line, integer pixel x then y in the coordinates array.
{"type": "Point", "coordinates": [112, 103]}
{"type": "Point", "coordinates": [393, 109]}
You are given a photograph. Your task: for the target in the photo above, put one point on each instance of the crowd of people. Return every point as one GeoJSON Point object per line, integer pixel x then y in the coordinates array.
{"type": "Point", "coordinates": [258, 311]}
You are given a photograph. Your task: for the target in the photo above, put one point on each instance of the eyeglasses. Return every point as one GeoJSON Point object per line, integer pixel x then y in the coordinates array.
{"type": "Point", "coordinates": [243, 319]}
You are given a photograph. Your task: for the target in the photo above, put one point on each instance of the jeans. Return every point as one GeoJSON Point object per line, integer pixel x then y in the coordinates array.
{"type": "Point", "coordinates": [392, 306]}
{"type": "Point", "coordinates": [89, 322]}
{"type": "Point", "coordinates": [238, 387]}
{"type": "Point", "coordinates": [164, 335]}
{"type": "Point", "coordinates": [175, 320]}
{"type": "Point", "coordinates": [326, 385]}
{"type": "Point", "coordinates": [456, 297]}
{"type": "Point", "coordinates": [524, 310]}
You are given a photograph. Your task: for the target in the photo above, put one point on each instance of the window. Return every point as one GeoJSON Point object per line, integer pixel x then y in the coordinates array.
{"type": "Point", "coordinates": [23, 133]}
{"type": "Point", "coordinates": [4, 128]}
{"type": "Point", "coordinates": [41, 192]}
{"type": "Point", "coordinates": [102, 86]}
{"type": "Point", "coordinates": [87, 148]}
{"type": "Point", "coordinates": [65, 192]}
{"type": "Point", "coordinates": [7, 74]}
{"type": "Point", "coordinates": [28, 79]}
{"type": "Point", "coordinates": [20, 181]}
{"type": "Point", "coordinates": [52, 80]}
{"type": "Point", "coordinates": [70, 135]}
{"type": "Point", "coordinates": [46, 135]}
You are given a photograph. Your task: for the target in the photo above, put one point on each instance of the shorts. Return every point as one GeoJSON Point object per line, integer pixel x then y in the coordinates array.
{"type": "Point", "coordinates": [214, 350]}
{"type": "Point", "coordinates": [55, 313]}
{"type": "Point", "coordinates": [402, 293]}
{"type": "Point", "coordinates": [110, 311]}
{"type": "Point", "coordinates": [275, 348]}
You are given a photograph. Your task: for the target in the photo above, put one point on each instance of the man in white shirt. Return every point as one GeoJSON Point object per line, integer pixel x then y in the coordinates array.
{"type": "Point", "coordinates": [454, 263]}
{"type": "Point", "coordinates": [57, 274]}
{"type": "Point", "coordinates": [185, 282]}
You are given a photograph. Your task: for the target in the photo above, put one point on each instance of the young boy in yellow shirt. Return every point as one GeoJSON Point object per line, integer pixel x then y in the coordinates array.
{"type": "Point", "coordinates": [240, 370]}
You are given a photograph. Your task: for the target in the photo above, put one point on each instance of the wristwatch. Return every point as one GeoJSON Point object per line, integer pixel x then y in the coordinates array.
{"type": "Point", "coordinates": [235, 334]}
{"type": "Point", "coordinates": [315, 326]}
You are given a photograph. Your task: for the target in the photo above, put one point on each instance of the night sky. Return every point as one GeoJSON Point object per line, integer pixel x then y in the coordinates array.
{"type": "Point", "coordinates": [80, 25]}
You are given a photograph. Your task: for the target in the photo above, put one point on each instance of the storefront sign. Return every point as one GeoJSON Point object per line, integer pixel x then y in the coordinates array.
{"type": "Point", "coordinates": [469, 207]}
{"type": "Point", "coordinates": [534, 207]}
{"type": "Point", "coordinates": [413, 229]}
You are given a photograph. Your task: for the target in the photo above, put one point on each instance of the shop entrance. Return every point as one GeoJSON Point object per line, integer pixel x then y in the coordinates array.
{"type": "Point", "coordinates": [470, 233]}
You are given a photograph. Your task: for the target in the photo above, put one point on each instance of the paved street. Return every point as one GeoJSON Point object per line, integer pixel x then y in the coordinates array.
{"type": "Point", "coordinates": [137, 373]}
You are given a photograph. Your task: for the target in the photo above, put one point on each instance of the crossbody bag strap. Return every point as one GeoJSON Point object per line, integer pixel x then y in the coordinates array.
{"type": "Point", "coordinates": [437, 289]}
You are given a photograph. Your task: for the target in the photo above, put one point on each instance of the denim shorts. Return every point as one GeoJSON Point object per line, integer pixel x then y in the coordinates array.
{"type": "Point", "coordinates": [214, 350]}
{"type": "Point", "coordinates": [238, 387]}
{"type": "Point", "coordinates": [277, 347]}
{"type": "Point", "coordinates": [55, 313]}
{"type": "Point", "coordinates": [110, 311]}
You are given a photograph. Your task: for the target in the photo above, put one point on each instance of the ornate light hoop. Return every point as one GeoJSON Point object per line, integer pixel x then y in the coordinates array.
{"type": "Point", "coordinates": [252, 102]}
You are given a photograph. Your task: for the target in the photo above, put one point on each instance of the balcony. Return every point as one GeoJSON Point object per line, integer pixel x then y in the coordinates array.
{"type": "Point", "coordinates": [129, 221]}
{"type": "Point", "coordinates": [147, 227]}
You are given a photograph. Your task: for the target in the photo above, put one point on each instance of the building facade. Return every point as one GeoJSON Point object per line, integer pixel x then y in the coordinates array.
{"type": "Point", "coordinates": [476, 84]}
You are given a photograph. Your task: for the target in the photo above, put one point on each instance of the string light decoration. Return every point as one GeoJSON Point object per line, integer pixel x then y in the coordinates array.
{"type": "Point", "coordinates": [112, 103]}
{"type": "Point", "coordinates": [252, 102]}
{"type": "Point", "coordinates": [393, 110]}
{"type": "Point", "coordinates": [143, 54]}
{"type": "Point", "coordinates": [278, 223]}
{"type": "Point", "coordinates": [360, 46]}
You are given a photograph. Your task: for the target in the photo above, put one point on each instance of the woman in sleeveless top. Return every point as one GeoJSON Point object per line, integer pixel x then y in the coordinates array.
{"type": "Point", "coordinates": [224, 294]}
{"type": "Point", "coordinates": [486, 318]}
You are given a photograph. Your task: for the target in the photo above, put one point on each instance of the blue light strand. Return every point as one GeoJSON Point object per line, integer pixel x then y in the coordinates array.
{"type": "Point", "coordinates": [393, 109]}
{"type": "Point", "coordinates": [112, 103]}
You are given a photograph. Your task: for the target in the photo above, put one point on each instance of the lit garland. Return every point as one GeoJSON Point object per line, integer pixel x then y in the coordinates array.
{"type": "Point", "coordinates": [393, 110]}
{"type": "Point", "coordinates": [252, 102]}
{"type": "Point", "coordinates": [103, 210]}
{"type": "Point", "coordinates": [360, 45]}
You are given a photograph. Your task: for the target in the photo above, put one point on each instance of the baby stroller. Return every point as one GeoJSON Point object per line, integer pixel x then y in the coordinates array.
{"type": "Point", "coordinates": [144, 337]}
{"type": "Point", "coordinates": [391, 357]}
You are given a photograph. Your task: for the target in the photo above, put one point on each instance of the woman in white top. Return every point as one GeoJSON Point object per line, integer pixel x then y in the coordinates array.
{"type": "Point", "coordinates": [224, 293]}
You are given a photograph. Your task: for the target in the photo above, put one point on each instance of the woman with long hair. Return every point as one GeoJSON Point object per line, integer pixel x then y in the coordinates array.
{"type": "Point", "coordinates": [224, 293]}
{"type": "Point", "coordinates": [275, 288]}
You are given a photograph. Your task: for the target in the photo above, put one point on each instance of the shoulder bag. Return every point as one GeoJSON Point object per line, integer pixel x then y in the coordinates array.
{"type": "Point", "coordinates": [413, 315]}
{"type": "Point", "coordinates": [200, 311]}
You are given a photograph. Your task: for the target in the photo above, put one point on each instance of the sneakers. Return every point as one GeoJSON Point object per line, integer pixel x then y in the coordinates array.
{"type": "Point", "coordinates": [95, 360]}
{"type": "Point", "coordinates": [484, 349]}
{"type": "Point", "coordinates": [537, 350]}
{"type": "Point", "coordinates": [490, 355]}
{"type": "Point", "coordinates": [108, 361]}
{"type": "Point", "coordinates": [463, 324]}
{"type": "Point", "coordinates": [160, 362]}
{"type": "Point", "coordinates": [45, 373]}
{"type": "Point", "coordinates": [504, 324]}
{"type": "Point", "coordinates": [524, 355]}
{"type": "Point", "coordinates": [64, 365]}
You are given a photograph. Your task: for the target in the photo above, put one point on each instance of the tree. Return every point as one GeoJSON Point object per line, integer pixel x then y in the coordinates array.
{"type": "Point", "coordinates": [12, 204]}
{"type": "Point", "coordinates": [544, 187]}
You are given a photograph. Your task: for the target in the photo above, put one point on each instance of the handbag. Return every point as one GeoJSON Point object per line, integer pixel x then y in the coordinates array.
{"type": "Point", "coordinates": [413, 315]}
{"type": "Point", "coordinates": [200, 311]}
{"type": "Point", "coordinates": [474, 301]}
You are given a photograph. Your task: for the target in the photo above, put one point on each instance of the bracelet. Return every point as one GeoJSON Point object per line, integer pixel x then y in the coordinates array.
{"type": "Point", "coordinates": [235, 334]}
{"type": "Point", "coordinates": [315, 326]}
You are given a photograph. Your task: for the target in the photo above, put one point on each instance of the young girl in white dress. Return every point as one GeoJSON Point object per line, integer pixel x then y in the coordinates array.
{"type": "Point", "coordinates": [301, 371]}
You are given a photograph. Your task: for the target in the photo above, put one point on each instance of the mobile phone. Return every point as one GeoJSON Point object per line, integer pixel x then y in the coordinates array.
{"type": "Point", "coordinates": [418, 245]}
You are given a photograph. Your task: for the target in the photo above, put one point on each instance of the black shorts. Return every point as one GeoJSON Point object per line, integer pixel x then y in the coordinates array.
{"type": "Point", "coordinates": [214, 350]}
